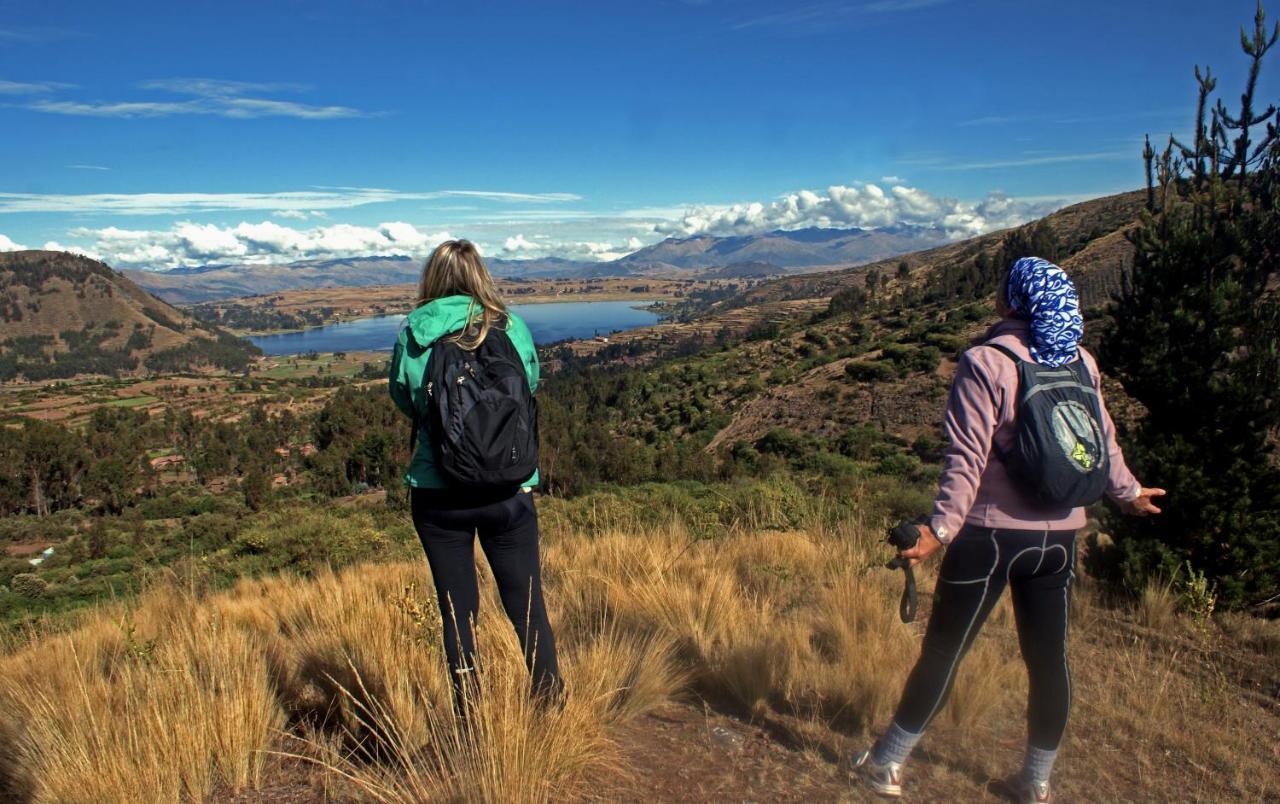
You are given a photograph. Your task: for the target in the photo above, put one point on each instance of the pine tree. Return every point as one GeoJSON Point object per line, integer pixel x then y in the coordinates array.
{"type": "Point", "coordinates": [1196, 340]}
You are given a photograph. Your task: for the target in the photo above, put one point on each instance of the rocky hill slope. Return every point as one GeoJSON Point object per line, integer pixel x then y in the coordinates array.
{"type": "Point", "coordinates": [62, 315]}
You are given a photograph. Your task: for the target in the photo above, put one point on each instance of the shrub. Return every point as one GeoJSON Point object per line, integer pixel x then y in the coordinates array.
{"type": "Point", "coordinates": [849, 300]}
{"type": "Point", "coordinates": [28, 584]}
{"type": "Point", "coordinates": [788, 444]}
{"type": "Point", "coordinates": [905, 466]}
{"type": "Point", "coordinates": [871, 371]}
{"type": "Point", "coordinates": [858, 442]}
{"type": "Point", "coordinates": [929, 448]}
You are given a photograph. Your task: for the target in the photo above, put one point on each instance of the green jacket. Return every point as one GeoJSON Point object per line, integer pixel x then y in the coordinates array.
{"type": "Point", "coordinates": [409, 361]}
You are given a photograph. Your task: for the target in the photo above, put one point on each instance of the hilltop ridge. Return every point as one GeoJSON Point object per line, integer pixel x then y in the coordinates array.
{"type": "Point", "coordinates": [63, 314]}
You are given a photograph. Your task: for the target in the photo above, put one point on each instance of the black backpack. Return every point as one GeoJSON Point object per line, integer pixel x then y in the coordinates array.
{"type": "Point", "coordinates": [1060, 454]}
{"type": "Point", "coordinates": [481, 415]}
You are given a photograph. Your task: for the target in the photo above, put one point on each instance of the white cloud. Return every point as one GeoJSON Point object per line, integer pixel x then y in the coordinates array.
{"type": "Point", "coordinates": [54, 245]}
{"type": "Point", "coordinates": [206, 96]}
{"type": "Point", "coordinates": [865, 206]}
{"type": "Point", "coordinates": [894, 6]}
{"type": "Point", "coordinates": [210, 87]}
{"type": "Point", "coordinates": [30, 88]}
{"type": "Point", "coordinates": [8, 245]}
{"type": "Point", "coordinates": [310, 200]}
{"type": "Point", "coordinates": [517, 244]}
{"type": "Point", "coordinates": [519, 247]}
{"type": "Point", "coordinates": [299, 214]}
{"type": "Point", "coordinates": [87, 167]}
{"type": "Point", "coordinates": [1039, 160]}
{"type": "Point", "coordinates": [816, 17]}
{"type": "Point", "coordinates": [236, 108]}
{"type": "Point", "coordinates": [187, 243]}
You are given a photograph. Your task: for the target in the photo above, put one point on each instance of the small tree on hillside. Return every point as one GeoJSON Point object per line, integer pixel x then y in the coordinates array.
{"type": "Point", "coordinates": [1196, 339]}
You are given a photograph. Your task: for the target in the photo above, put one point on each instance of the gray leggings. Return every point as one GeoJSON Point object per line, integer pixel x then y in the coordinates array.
{"type": "Point", "coordinates": [1038, 567]}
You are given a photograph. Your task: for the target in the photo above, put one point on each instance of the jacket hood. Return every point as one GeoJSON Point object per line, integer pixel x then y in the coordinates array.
{"type": "Point", "coordinates": [438, 317]}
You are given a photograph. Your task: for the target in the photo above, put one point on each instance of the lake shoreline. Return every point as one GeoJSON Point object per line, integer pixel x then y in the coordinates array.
{"type": "Point", "coordinates": [641, 304]}
{"type": "Point", "coordinates": [580, 319]}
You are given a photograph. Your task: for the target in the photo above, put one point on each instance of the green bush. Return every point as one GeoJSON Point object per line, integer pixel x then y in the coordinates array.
{"type": "Point", "coordinates": [871, 371]}
{"type": "Point", "coordinates": [929, 448]}
{"type": "Point", "coordinates": [304, 538]}
{"type": "Point", "coordinates": [10, 567]}
{"type": "Point", "coordinates": [858, 441]}
{"type": "Point", "coordinates": [28, 584]}
{"type": "Point", "coordinates": [897, 464]}
{"type": "Point", "coordinates": [948, 344]}
{"type": "Point", "coordinates": [789, 444]}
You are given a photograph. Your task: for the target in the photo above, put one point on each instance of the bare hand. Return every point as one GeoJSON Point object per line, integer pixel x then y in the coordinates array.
{"type": "Point", "coordinates": [1142, 505]}
{"type": "Point", "coordinates": [924, 548]}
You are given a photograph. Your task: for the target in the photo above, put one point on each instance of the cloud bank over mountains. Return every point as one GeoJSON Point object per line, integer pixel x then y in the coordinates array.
{"type": "Point", "coordinates": [523, 233]}
{"type": "Point", "coordinates": [866, 206]}
{"type": "Point", "coordinates": [188, 244]}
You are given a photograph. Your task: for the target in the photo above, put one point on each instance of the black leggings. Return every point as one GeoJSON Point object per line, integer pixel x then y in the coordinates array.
{"type": "Point", "coordinates": [447, 524]}
{"type": "Point", "coordinates": [1038, 567]}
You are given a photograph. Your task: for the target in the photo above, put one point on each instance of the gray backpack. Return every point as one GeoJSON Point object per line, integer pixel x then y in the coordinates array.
{"type": "Point", "coordinates": [1060, 455]}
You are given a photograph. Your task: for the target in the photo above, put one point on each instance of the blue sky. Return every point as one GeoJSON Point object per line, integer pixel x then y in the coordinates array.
{"type": "Point", "coordinates": [161, 134]}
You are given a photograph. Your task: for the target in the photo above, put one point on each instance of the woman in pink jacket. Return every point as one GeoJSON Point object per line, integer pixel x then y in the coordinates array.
{"type": "Point", "coordinates": [998, 534]}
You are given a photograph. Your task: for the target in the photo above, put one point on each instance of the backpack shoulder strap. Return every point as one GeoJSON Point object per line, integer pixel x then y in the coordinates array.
{"type": "Point", "coordinates": [999, 453]}
{"type": "Point", "coordinates": [428, 372]}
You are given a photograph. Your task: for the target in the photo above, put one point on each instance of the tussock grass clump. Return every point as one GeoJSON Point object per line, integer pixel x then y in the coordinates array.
{"type": "Point", "coordinates": [769, 604]}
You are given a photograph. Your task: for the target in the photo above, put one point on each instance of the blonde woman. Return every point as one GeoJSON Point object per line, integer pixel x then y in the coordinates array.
{"type": "Point", "coordinates": [459, 490]}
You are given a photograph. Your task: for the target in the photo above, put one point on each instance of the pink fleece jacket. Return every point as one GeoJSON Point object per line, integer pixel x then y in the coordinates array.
{"type": "Point", "coordinates": [975, 488]}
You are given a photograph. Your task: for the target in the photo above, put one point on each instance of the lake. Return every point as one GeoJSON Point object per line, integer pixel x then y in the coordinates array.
{"type": "Point", "coordinates": [553, 321]}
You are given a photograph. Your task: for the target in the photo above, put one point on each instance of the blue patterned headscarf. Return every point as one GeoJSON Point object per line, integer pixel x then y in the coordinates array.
{"type": "Point", "coordinates": [1042, 293]}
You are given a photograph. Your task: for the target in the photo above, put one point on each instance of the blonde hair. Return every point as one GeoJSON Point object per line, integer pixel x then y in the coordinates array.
{"type": "Point", "coordinates": [455, 268]}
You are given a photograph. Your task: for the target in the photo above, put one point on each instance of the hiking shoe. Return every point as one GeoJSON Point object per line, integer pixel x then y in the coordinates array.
{"type": "Point", "coordinates": [885, 780]}
{"type": "Point", "coordinates": [1029, 792]}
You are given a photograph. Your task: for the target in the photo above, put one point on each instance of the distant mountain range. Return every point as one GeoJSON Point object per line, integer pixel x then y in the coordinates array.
{"type": "Point", "coordinates": [771, 253]}
{"type": "Point", "coordinates": [788, 250]}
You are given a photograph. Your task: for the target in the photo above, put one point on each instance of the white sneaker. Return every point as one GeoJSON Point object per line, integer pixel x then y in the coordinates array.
{"type": "Point", "coordinates": [885, 779]}
{"type": "Point", "coordinates": [1029, 792]}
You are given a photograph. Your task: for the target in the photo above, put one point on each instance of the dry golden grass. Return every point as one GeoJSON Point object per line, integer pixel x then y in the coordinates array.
{"type": "Point", "coordinates": [1158, 606]}
{"type": "Point", "coordinates": [174, 698]}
